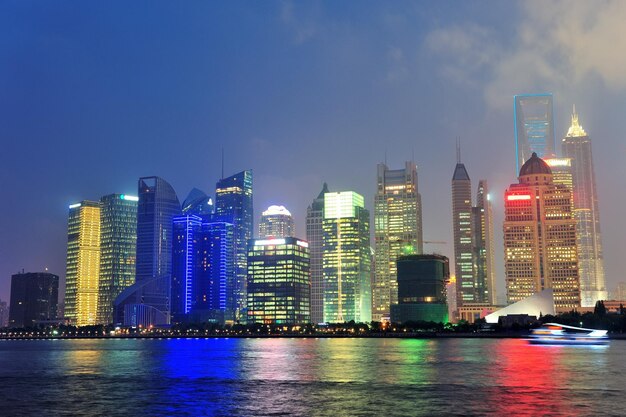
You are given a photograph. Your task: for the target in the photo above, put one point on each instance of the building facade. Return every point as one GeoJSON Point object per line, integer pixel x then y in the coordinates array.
{"type": "Point", "coordinates": [276, 222]}
{"type": "Point", "coordinates": [397, 230]}
{"type": "Point", "coordinates": [314, 235]}
{"type": "Point", "coordinates": [83, 263]}
{"type": "Point", "coordinates": [577, 146]}
{"type": "Point", "coordinates": [463, 234]}
{"type": "Point", "coordinates": [346, 259]}
{"type": "Point", "coordinates": [540, 238]}
{"type": "Point", "coordinates": [147, 302]}
{"type": "Point", "coordinates": [34, 297]}
{"type": "Point", "coordinates": [279, 281]}
{"type": "Point", "coordinates": [422, 281]}
{"type": "Point", "coordinates": [233, 204]}
{"type": "Point", "coordinates": [484, 261]}
{"type": "Point", "coordinates": [118, 246]}
{"type": "Point", "coordinates": [534, 127]}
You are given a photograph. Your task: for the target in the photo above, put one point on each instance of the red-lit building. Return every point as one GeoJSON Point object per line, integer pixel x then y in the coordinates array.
{"type": "Point", "coordinates": [540, 238]}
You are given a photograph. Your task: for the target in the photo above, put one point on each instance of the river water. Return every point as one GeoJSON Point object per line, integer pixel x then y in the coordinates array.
{"type": "Point", "coordinates": [316, 377]}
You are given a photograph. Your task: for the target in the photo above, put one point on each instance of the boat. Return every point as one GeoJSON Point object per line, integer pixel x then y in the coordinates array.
{"type": "Point", "coordinates": [560, 334]}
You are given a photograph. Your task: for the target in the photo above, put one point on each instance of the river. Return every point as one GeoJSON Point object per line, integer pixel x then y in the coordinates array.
{"type": "Point", "coordinates": [316, 377]}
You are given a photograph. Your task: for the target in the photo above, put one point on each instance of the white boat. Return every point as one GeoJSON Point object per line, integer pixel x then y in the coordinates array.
{"type": "Point", "coordinates": [560, 334]}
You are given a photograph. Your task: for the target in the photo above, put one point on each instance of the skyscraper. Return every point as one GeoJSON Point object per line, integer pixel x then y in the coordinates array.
{"type": "Point", "coordinates": [346, 258]}
{"type": "Point", "coordinates": [279, 281]}
{"type": "Point", "coordinates": [397, 231]}
{"type": "Point", "coordinates": [562, 174]}
{"type": "Point", "coordinates": [534, 127]}
{"type": "Point", "coordinates": [482, 218]}
{"type": "Point", "coordinates": [4, 314]}
{"type": "Point", "coordinates": [233, 204]}
{"type": "Point", "coordinates": [314, 234]}
{"type": "Point", "coordinates": [83, 263]}
{"type": "Point", "coordinates": [276, 222]}
{"type": "Point", "coordinates": [147, 302]}
{"type": "Point", "coordinates": [540, 238]}
{"type": "Point", "coordinates": [33, 297]}
{"type": "Point", "coordinates": [118, 246]}
{"type": "Point", "coordinates": [577, 146]}
{"type": "Point", "coordinates": [463, 232]}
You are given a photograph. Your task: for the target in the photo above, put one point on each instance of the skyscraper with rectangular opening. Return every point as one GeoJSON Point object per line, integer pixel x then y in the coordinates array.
{"type": "Point", "coordinates": [534, 127]}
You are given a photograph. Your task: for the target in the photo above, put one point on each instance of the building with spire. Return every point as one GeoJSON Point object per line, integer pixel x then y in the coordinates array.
{"type": "Point", "coordinates": [276, 222]}
{"type": "Point", "coordinates": [577, 146]}
{"type": "Point", "coordinates": [534, 127]}
{"type": "Point", "coordinates": [346, 258]}
{"type": "Point", "coordinates": [397, 231]}
{"type": "Point", "coordinates": [540, 238]}
{"type": "Point", "coordinates": [463, 233]}
{"type": "Point", "coordinates": [314, 233]}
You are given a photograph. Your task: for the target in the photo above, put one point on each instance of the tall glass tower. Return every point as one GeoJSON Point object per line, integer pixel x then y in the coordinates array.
{"type": "Point", "coordinates": [314, 233]}
{"type": "Point", "coordinates": [83, 263]}
{"type": "Point", "coordinates": [233, 204]}
{"type": "Point", "coordinates": [534, 127]}
{"type": "Point", "coordinates": [577, 146]}
{"type": "Point", "coordinates": [398, 231]}
{"type": "Point", "coordinates": [483, 246]}
{"type": "Point", "coordinates": [463, 232]}
{"type": "Point", "coordinates": [147, 302]}
{"type": "Point", "coordinates": [346, 258]}
{"type": "Point", "coordinates": [118, 245]}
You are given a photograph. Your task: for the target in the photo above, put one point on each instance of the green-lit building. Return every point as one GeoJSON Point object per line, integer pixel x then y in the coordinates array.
{"type": "Point", "coordinates": [118, 243]}
{"type": "Point", "coordinates": [279, 281]}
{"type": "Point", "coordinates": [346, 259]}
{"type": "Point", "coordinates": [422, 283]}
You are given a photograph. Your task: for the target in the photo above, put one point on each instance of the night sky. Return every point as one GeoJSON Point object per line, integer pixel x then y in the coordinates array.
{"type": "Point", "coordinates": [94, 95]}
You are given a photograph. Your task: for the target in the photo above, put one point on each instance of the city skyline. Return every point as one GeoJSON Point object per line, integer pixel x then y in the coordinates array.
{"type": "Point", "coordinates": [74, 114]}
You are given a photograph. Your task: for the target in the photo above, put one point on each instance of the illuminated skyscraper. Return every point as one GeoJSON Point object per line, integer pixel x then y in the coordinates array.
{"type": "Point", "coordinates": [279, 281]}
{"type": "Point", "coordinates": [233, 204]}
{"type": "Point", "coordinates": [314, 234]}
{"type": "Point", "coordinates": [147, 302]}
{"type": "Point", "coordinates": [202, 262]}
{"type": "Point", "coordinates": [83, 263]}
{"type": "Point", "coordinates": [346, 258]}
{"type": "Point", "coordinates": [33, 297]}
{"type": "Point", "coordinates": [534, 127]}
{"type": "Point", "coordinates": [562, 174]}
{"type": "Point", "coordinates": [540, 238]}
{"type": "Point", "coordinates": [577, 146]}
{"type": "Point", "coordinates": [276, 222]}
{"type": "Point", "coordinates": [482, 217]}
{"type": "Point", "coordinates": [463, 232]}
{"type": "Point", "coordinates": [397, 231]}
{"type": "Point", "coordinates": [118, 246]}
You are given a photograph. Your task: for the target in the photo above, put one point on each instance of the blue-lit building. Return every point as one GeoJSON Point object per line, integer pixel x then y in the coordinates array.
{"type": "Point", "coordinates": [202, 261]}
{"type": "Point", "coordinates": [147, 302]}
{"type": "Point", "coordinates": [233, 204]}
{"type": "Point", "coordinates": [534, 127]}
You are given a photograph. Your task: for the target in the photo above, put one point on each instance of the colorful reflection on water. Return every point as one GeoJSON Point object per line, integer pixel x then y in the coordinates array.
{"type": "Point", "coordinates": [326, 377]}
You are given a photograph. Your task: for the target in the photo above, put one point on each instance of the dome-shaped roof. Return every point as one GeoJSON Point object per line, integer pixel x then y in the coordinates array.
{"type": "Point", "coordinates": [535, 166]}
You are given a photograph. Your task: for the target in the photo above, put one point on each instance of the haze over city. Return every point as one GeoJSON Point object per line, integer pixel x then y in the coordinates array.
{"type": "Point", "coordinates": [96, 95]}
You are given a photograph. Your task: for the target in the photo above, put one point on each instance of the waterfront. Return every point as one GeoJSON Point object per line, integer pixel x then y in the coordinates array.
{"type": "Point", "coordinates": [325, 377]}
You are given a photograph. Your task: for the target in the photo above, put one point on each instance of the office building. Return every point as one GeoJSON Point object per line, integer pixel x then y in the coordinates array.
{"type": "Point", "coordinates": [397, 230]}
{"type": "Point", "coordinates": [279, 281]}
{"type": "Point", "coordinates": [4, 314]}
{"type": "Point", "coordinates": [540, 238]}
{"type": "Point", "coordinates": [534, 127]}
{"type": "Point", "coordinates": [422, 283]}
{"type": "Point", "coordinates": [314, 235]}
{"type": "Point", "coordinates": [463, 234]}
{"type": "Point", "coordinates": [147, 302]}
{"type": "Point", "coordinates": [577, 146]}
{"type": "Point", "coordinates": [484, 263]}
{"type": "Point", "coordinates": [233, 204]}
{"type": "Point", "coordinates": [83, 263]}
{"type": "Point", "coordinates": [562, 174]}
{"type": "Point", "coordinates": [276, 222]}
{"type": "Point", "coordinates": [118, 246]}
{"type": "Point", "coordinates": [33, 298]}
{"type": "Point", "coordinates": [346, 258]}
